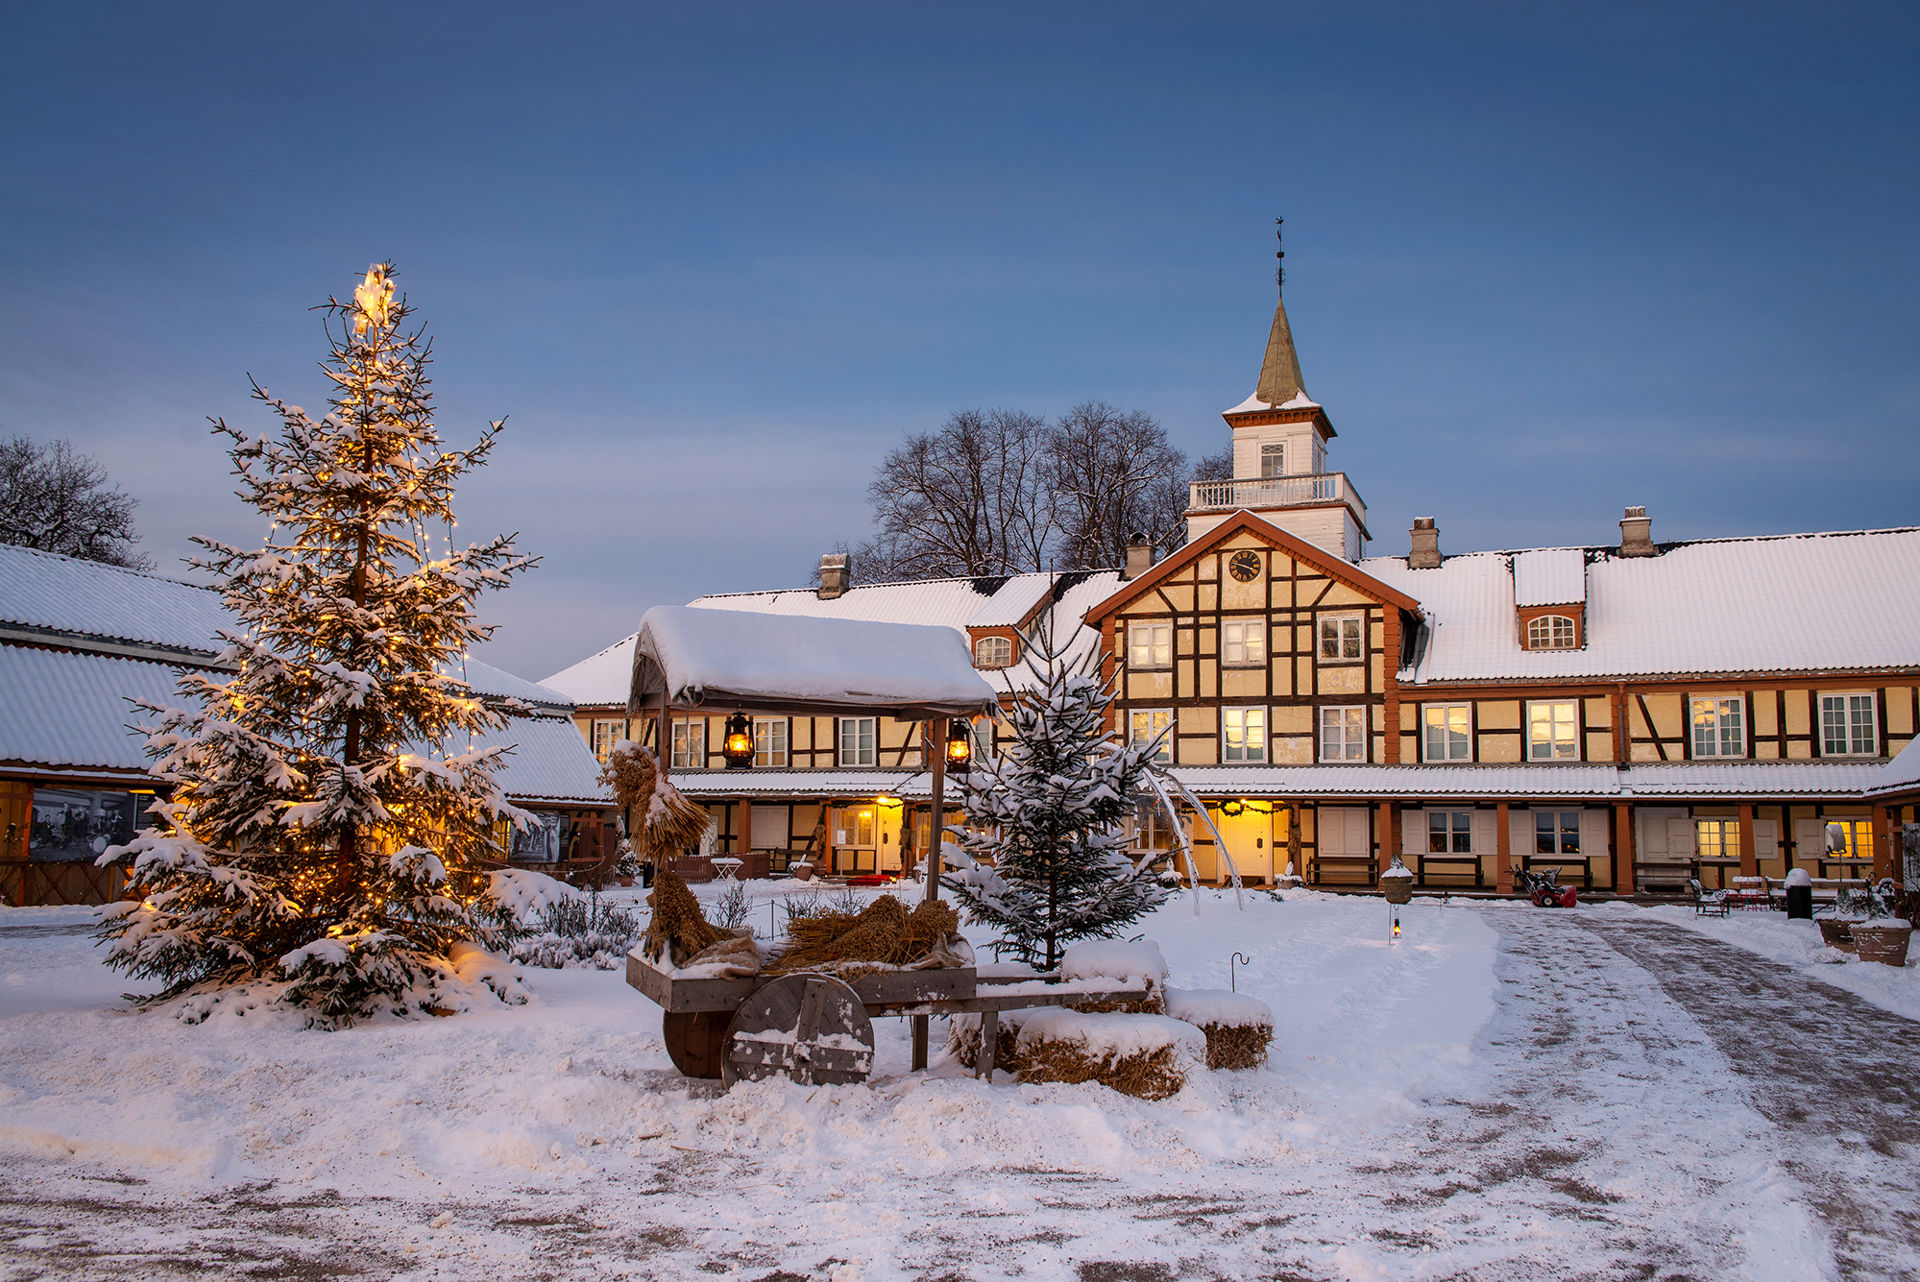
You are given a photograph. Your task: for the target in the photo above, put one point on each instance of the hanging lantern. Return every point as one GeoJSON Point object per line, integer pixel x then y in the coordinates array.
{"type": "Point", "coordinates": [959, 746]}
{"type": "Point", "coordinates": [737, 747]}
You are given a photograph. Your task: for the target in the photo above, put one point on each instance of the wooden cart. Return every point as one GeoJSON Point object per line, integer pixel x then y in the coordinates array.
{"type": "Point", "coordinates": [818, 1028]}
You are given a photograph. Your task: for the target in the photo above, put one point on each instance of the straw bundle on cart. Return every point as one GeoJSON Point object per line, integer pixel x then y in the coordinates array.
{"type": "Point", "coordinates": [883, 933]}
{"type": "Point", "coordinates": [678, 931]}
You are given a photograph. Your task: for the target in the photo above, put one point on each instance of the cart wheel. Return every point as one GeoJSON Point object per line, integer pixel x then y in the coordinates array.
{"type": "Point", "coordinates": [696, 1040]}
{"type": "Point", "coordinates": [810, 1028]}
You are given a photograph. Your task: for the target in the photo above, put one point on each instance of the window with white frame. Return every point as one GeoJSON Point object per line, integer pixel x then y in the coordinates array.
{"type": "Point", "coordinates": [1150, 645]}
{"type": "Point", "coordinates": [605, 734]}
{"type": "Point", "coordinates": [1273, 460]}
{"type": "Point", "coordinates": [1553, 730]}
{"type": "Point", "coordinates": [1242, 642]}
{"type": "Point", "coordinates": [1717, 838]}
{"type": "Point", "coordinates": [1342, 638]}
{"type": "Point", "coordinates": [992, 652]}
{"type": "Point", "coordinates": [1848, 726]}
{"type": "Point", "coordinates": [1719, 726]}
{"type": "Point", "coordinates": [1556, 832]}
{"type": "Point", "coordinates": [1446, 731]}
{"type": "Point", "coordinates": [1343, 734]}
{"type": "Point", "coordinates": [1855, 838]}
{"type": "Point", "coordinates": [1145, 725]}
{"type": "Point", "coordinates": [1449, 832]}
{"type": "Point", "coordinates": [858, 738]}
{"type": "Point", "coordinates": [1243, 734]}
{"type": "Point", "coordinates": [1550, 632]}
{"type": "Point", "coordinates": [770, 741]}
{"type": "Point", "coordinates": [689, 745]}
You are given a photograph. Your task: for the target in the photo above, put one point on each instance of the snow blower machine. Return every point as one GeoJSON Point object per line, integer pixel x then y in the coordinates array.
{"type": "Point", "coordinates": [1544, 888]}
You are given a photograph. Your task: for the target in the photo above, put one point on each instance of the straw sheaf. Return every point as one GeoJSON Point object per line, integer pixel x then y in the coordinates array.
{"type": "Point", "coordinates": [667, 822]}
{"type": "Point", "coordinates": [884, 933]}
{"type": "Point", "coordinates": [679, 930]}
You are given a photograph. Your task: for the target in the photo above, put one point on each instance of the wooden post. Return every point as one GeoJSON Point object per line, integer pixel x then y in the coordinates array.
{"type": "Point", "coordinates": [1392, 839]}
{"type": "Point", "coordinates": [1502, 851]}
{"type": "Point", "coordinates": [1623, 883]}
{"type": "Point", "coordinates": [1883, 860]}
{"type": "Point", "coordinates": [1749, 860]}
{"type": "Point", "coordinates": [935, 737]}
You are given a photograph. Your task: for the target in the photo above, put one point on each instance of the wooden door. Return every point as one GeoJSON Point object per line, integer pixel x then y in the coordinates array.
{"type": "Point", "coordinates": [16, 818]}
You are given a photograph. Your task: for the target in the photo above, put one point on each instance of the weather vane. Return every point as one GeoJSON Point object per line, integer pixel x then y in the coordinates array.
{"type": "Point", "coordinates": [1280, 272]}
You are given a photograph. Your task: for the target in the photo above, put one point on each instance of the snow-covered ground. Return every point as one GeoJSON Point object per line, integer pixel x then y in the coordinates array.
{"type": "Point", "coordinates": [1502, 1094]}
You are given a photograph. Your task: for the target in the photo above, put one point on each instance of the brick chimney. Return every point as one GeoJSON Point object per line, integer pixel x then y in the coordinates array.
{"type": "Point", "coordinates": [836, 575]}
{"type": "Point", "coordinates": [1139, 557]}
{"type": "Point", "coordinates": [1636, 534]}
{"type": "Point", "coordinates": [1426, 545]}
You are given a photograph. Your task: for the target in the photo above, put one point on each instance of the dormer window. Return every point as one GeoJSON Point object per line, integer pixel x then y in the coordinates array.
{"type": "Point", "coordinates": [992, 652]}
{"type": "Point", "coordinates": [1552, 632]}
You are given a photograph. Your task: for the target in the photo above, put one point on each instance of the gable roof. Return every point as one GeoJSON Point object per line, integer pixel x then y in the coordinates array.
{"type": "Point", "coordinates": [1834, 602]}
{"type": "Point", "coordinates": [62, 595]}
{"type": "Point", "coordinates": [1243, 521]}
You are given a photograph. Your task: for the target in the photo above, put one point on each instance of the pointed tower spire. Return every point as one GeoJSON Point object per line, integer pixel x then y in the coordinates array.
{"type": "Point", "coordinates": [1280, 380]}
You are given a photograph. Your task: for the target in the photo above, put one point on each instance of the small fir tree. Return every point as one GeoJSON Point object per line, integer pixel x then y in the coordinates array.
{"type": "Point", "coordinates": [327, 810]}
{"type": "Point", "coordinates": [1048, 812]}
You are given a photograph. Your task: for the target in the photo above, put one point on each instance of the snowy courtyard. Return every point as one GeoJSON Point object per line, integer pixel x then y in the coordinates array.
{"type": "Point", "coordinates": [1614, 1092]}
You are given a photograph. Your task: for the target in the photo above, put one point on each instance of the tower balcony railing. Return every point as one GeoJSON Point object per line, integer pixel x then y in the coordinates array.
{"type": "Point", "coordinates": [1256, 492]}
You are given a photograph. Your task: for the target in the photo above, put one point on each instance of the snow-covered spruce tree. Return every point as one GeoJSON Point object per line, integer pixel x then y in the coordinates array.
{"type": "Point", "coordinates": [326, 811]}
{"type": "Point", "coordinates": [1048, 812]}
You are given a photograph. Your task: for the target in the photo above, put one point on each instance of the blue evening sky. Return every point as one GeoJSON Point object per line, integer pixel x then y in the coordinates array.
{"type": "Point", "coordinates": [712, 261]}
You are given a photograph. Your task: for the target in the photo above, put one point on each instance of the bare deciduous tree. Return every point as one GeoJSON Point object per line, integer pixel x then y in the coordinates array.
{"type": "Point", "coordinates": [969, 499]}
{"type": "Point", "coordinates": [56, 499]}
{"type": "Point", "coordinates": [1114, 475]}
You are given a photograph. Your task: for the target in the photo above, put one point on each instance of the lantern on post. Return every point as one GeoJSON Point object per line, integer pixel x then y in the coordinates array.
{"type": "Point", "coordinates": [959, 746]}
{"type": "Point", "coordinates": [737, 747]}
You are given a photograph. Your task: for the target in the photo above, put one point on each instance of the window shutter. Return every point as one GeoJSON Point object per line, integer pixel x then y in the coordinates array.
{"type": "Point", "coordinates": [769, 826]}
{"type": "Point", "coordinates": [1809, 840]}
{"type": "Point", "coordinates": [1593, 835]}
{"type": "Point", "coordinates": [1519, 833]}
{"type": "Point", "coordinates": [1413, 835]}
{"type": "Point", "coordinates": [1682, 840]}
{"type": "Point", "coordinates": [1766, 839]}
{"type": "Point", "coordinates": [1486, 832]}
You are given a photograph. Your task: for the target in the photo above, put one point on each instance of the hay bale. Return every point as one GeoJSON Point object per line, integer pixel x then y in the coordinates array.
{"type": "Point", "coordinates": [678, 930]}
{"type": "Point", "coordinates": [1145, 1056]}
{"type": "Point", "coordinates": [1120, 964]}
{"type": "Point", "coordinates": [1238, 1028]}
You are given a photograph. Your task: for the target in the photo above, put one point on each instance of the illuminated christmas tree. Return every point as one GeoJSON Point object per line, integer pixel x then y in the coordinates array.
{"type": "Point", "coordinates": [326, 813]}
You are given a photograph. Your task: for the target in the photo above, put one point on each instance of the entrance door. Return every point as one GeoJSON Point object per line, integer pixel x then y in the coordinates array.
{"type": "Point", "coordinates": [856, 838]}
{"type": "Point", "coordinates": [1249, 838]}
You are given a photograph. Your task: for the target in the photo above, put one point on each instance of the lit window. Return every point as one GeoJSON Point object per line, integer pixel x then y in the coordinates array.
{"type": "Point", "coordinates": [770, 741]}
{"type": "Point", "coordinates": [1717, 838]}
{"type": "Point", "coordinates": [1145, 725]}
{"type": "Point", "coordinates": [857, 739]}
{"type": "Point", "coordinates": [1556, 832]}
{"type": "Point", "coordinates": [1340, 638]}
{"type": "Point", "coordinates": [992, 652]}
{"type": "Point", "coordinates": [1848, 838]}
{"type": "Point", "coordinates": [1553, 730]}
{"type": "Point", "coordinates": [605, 735]}
{"type": "Point", "coordinates": [1149, 645]}
{"type": "Point", "coordinates": [1241, 642]}
{"type": "Point", "coordinates": [1243, 734]}
{"type": "Point", "coordinates": [1343, 734]}
{"type": "Point", "coordinates": [689, 745]}
{"type": "Point", "coordinates": [1447, 731]}
{"type": "Point", "coordinates": [1273, 460]}
{"type": "Point", "coordinates": [1550, 632]}
{"type": "Point", "coordinates": [1449, 832]}
{"type": "Point", "coordinates": [1719, 727]}
{"type": "Point", "coordinates": [1848, 727]}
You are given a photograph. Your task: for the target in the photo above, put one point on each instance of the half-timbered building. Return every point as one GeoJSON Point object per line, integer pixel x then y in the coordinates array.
{"type": "Point", "coordinates": [1633, 714]}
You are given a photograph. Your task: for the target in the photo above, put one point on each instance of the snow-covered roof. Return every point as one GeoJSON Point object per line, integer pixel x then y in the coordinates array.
{"type": "Point", "coordinates": [1253, 404]}
{"type": "Point", "coordinates": [48, 592]}
{"type": "Point", "coordinates": [1902, 774]}
{"type": "Point", "coordinates": [602, 679]}
{"type": "Point", "coordinates": [1550, 576]}
{"type": "Point", "coordinates": [1751, 778]}
{"type": "Point", "coordinates": [484, 678]}
{"type": "Point", "coordinates": [1400, 781]}
{"type": "Point", "coordinates": [753, 660]}
{"type": "Point", "coordinates": [59, 709]}
{"type": "Point", "coordinates": [1782, 603]}
{"type": "Point", "coordinates": [550, 762]}
{"type": "Point", "coordinates": [909, 785]}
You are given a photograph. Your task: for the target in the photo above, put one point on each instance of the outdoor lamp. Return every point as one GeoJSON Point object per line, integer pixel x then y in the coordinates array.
{"type": "Point", "coordinates": [737, 747]}
{"type": "Point", "coordinates": [1234, 807]}
{"type": "Point", "coordinates": [959, 745]}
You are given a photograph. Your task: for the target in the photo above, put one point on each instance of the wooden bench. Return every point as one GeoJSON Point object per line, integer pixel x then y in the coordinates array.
{"type": "Point", "coordinates": [1362, 864]}
{"type": "Point", "coordinates": [1468, 864]}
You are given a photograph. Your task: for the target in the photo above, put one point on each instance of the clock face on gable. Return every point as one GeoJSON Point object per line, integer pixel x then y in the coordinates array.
{"type": "Point", "coordinates": [1245, 566]}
